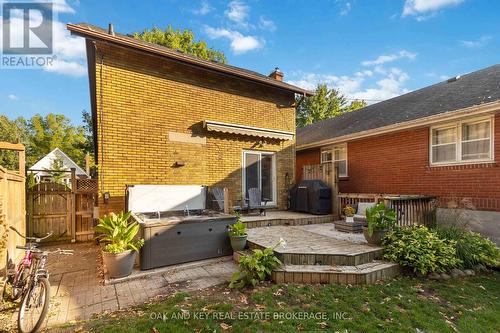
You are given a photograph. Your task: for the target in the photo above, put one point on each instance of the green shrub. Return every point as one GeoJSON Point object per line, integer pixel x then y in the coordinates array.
{"type": "Point", "coordinates": [379, 217]}
{"type": "Point", "coordinates": [471, 248]}
{"type": "Point", "coordinates": [118, 233]}
{"type": "Point", "coordinates": [256, 267]}
{"type": "Point", "coordinates": [420, 249]}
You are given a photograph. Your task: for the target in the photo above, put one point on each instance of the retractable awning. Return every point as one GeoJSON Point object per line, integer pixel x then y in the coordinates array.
{"type": "Point", "coordinates": [216, 126]}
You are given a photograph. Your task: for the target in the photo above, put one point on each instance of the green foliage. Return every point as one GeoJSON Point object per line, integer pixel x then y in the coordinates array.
{"type": "Point", "coordinates": [325, 103]}
{"type": "Point", "coordinates": [183, 41]}
{"type": "Point", "coordinates": [239, 228]}
{"type": "Point", "coordinates": [54, 131]}
{"type": "Point", "coordinates": [119, 233]}
{"type": "Point", "coordinates": [41, 135]}
{"type": "Point", "coordinates": [379, 217]}
{"type": "Point", "coordinates": [256, 267]}
{"type": "Point", "coordinates": [58, 171]}
{"type": "Point", "coordinates": [471, 248]}
{"type": "Point", "coordinates": [13, 131]}
{"type": "Point", "coordinates": [420, 249]}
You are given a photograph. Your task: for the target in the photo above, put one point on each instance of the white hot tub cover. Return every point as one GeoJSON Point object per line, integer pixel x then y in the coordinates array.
{"type": "Point", "coordinates": [162, 198]}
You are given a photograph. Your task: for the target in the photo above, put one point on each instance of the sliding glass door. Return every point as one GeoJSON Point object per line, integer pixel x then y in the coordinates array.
{"type": "Point", "coordinates": [259, 171]}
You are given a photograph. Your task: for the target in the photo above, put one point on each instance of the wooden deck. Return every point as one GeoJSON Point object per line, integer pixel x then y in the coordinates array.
{"type": "Point", "coordinates": [316, 254]}
{"type": "Point", "coordinates": [310, 248]}
{"type": "Point", "coordinates": [287, 218]}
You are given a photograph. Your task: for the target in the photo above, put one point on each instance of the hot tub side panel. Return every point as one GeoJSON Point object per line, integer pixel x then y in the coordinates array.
{"type": "Point", "coordinates": [177, 243]}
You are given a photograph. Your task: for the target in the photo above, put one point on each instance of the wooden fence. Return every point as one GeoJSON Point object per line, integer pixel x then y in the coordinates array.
{"type": "Point", "coordinates": [64, 210]}
{"type": "Point", "coordinates": [410, 209]}
{"type": "Point", "coordinates": [328, 173]}
{"type": "Point", "coordinates": [12, 208]}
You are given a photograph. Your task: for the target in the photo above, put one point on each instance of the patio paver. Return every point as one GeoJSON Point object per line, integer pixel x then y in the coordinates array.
{"type": "Point", "coordinates": [77, 291]}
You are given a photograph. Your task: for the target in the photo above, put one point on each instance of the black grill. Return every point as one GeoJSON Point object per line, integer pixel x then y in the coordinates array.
{"type": "Point", "coordinates": [311, 196]}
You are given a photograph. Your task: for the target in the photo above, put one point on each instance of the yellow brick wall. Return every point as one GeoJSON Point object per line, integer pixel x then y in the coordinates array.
{"type": "Point", "coordinates": [145, 97]}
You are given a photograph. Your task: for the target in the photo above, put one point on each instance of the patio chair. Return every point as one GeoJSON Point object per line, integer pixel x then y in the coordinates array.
{"type": "Point", "coordinates": [360, 215]}
{"type": "Point", "coordinates": [255, 201]}
{"type": "Point", "coordinates": [217, 198]}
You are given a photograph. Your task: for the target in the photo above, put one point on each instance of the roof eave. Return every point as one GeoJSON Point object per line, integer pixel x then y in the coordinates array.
{"type": "Point", "coordinates": [78, 30]}
{"type": "Point", "coordinates": [446, 116]}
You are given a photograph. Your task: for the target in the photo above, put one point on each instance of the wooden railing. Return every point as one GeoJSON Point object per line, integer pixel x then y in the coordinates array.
{"type": "Point", "coordinates": [410, 209]}
{"type": "Point", "coordinates": [12, 208]}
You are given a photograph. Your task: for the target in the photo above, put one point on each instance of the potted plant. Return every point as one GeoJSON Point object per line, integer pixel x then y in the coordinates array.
{"type": "Point", "coordinates": [380, 220]}
{"type": "Point", "coordinates": [349, 212]}
{"type": "Point", "coordinates": [238, 234]}
{"type": "Point", "coordinates": [120, 246]}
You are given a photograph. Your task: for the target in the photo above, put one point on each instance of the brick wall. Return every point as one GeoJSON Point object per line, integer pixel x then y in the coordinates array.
{"type": "Point", "coordinates": [146, 97]}
{"type": "Point", "coordinates": [398, 163]}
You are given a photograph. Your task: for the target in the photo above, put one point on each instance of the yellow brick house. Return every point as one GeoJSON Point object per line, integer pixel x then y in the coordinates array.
{"type": "Point", "coordinates": [164, 117]}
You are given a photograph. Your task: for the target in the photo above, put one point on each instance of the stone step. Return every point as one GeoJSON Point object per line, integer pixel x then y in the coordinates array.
{"type": "Point", "coordinates": [302, 257]}
{"type": "Point", "coordinates": [311, 274]}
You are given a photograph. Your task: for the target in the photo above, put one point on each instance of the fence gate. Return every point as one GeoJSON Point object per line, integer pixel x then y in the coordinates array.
{"type": "Point", "coordinates": [49, 210]}
{"type": "Point", "coordinates": [65, 209]}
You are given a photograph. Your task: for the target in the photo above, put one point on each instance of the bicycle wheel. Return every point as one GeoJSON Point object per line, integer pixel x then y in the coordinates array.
{"type": "Point", "coordinates": [34, 306]}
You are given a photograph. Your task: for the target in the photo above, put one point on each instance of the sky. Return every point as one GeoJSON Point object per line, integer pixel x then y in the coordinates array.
{"type": "Point", "coordinates": [371, 50]}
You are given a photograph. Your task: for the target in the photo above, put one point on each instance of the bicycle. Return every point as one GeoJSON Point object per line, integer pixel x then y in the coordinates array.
{"type": "Point", "coordinates": [30, 283]}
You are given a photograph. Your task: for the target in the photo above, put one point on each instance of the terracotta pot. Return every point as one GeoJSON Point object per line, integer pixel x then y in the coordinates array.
{"type": "Point", "coordinates": [238, 243]}
{"type": "Point", "coordinates": [119, 264]}
{"type": "Point", "coordinates": [376, 237]}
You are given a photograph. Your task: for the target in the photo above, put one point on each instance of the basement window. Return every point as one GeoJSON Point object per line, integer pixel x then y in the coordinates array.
{"type": "Point", "coordinates": [462, 142]}
{"type": "Point", "coordinates": [338, 155]}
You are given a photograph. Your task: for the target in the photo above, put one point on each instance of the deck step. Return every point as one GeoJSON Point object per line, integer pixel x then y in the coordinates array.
{"type": "Point", "coordinates": [362, 274]}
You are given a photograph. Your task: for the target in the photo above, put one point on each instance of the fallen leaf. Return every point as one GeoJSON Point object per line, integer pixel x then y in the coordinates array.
{"type": "Point", "coordinates": [225, 326]}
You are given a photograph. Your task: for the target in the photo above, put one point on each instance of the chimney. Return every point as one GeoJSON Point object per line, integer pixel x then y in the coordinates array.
{"type": "Point", "coordinates": [277, 74]}
{"type": "Point", "coordinates": [111, 29]}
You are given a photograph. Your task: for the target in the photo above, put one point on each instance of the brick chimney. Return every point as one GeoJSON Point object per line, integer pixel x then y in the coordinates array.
{"type": "Point", "coordinates": [277, 74]}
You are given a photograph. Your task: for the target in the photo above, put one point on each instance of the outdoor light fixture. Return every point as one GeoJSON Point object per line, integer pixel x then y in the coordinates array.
{"type": "Point", "coordinates": [106, 197]}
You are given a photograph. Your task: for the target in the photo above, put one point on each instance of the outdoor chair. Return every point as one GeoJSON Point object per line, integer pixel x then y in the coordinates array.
{"type": "Point", "coordinates": [360, 215]}
{"type": "Point", "coordinates": [217, 198]}
{"type": "Point", "coordinates": [255, 201]}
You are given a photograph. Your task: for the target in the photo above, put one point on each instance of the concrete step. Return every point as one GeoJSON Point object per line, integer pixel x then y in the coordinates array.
{"type": "Point", "coordinates": [361, 274]}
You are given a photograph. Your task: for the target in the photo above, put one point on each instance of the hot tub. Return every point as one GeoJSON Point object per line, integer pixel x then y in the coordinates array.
{"type": "Point", "coordinates": [179, 236]}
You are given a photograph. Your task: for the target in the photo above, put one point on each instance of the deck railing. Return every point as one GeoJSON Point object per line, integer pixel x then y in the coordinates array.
{"type": "Point", "coordinates": [410, 209]}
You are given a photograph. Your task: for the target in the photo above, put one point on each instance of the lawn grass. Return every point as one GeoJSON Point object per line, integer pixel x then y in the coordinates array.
{"type": "Point", "coordinates": [402, 305]}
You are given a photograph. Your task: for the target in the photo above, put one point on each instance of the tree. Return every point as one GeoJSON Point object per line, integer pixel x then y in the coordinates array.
{"type": "Point", "coordinates": [58, 171]}
{"type": "Point", "coordinates": [325, 103]}
{"type": "Point", "coordinates": [183, 41]}
{"type": "Point", "coordinates": [13, 131]}
{"type": "Point", "coordinates": [54, 131]}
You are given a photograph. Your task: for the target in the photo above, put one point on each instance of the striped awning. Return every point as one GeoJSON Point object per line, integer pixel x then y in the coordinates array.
{"type": "Point", "coordinates": [216, 126]}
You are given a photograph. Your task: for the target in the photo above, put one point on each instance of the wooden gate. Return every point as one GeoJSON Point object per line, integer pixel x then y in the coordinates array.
{"type": "Point", "coordinates": [66, 210]}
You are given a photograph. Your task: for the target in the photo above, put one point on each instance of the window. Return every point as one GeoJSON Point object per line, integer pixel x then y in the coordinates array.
{"type": "Point", "coordinates": [462, 142]}
{"type": "Point", "coordinates": [338, 155]}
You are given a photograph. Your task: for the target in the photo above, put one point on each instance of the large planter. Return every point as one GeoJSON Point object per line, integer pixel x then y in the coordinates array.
{"type": "Point", "coordinates": [119, 264]}
{"type": "Point", "coordinates": [238, 243]}
{"type": "Point", "coordinates": [376, 237]}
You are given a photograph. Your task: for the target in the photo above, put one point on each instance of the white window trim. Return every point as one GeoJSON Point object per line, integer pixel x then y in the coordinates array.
{"type": "Point", "coordinates": [458, 141]}
{"type": "Point", "coordinates": [274, 178]}
{"type": "Point", "coordinates": [331, 149]}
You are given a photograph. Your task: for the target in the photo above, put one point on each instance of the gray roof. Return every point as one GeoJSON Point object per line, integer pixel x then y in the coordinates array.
{"type": "Point", "coordinates": [476, 88]}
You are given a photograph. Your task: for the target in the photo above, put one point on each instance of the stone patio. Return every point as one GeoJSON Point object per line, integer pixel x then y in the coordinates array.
{"type": "Point", "coordinates": [78, 292]}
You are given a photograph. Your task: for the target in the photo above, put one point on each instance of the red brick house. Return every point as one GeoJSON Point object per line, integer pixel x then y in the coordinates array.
{"type": "Point", "coordinates": [441, 140]}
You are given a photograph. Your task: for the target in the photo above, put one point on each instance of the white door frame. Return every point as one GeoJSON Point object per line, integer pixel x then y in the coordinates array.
{"type": "Point", "coordinates": [274, 200]}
